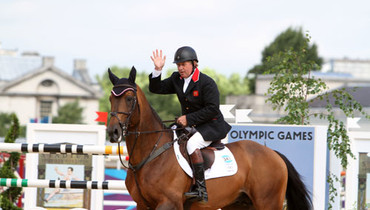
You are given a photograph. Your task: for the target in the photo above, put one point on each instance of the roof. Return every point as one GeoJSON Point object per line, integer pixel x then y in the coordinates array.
{"type": "Point", "coordinates": [15, 69]}
{"type": "Point", "coordinates": [359, 93]}
{"type": "Point", "coordinates": [12, 67]}
{"type": "Point", "coordinates": [54, 69]}
{"type": "Point", "coordinates": [82, 75]}
{"type": "Point", "coordinates": [331, 74]}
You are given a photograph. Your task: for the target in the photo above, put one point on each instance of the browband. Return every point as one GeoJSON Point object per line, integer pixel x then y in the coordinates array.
{"type": "Point", "coordinates": [125, 85]}
{"type": "Point", "coordinates": [128, 87]}
{"type": "Point", "coordinates": [122, 92]}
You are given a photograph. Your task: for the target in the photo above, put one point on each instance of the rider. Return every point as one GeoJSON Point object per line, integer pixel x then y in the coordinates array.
{"type": "Point", "coordinates": [199, 98]}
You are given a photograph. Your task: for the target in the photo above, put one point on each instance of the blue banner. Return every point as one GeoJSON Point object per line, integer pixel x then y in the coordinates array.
{"type": "Point", "coordinates": [295, 142]}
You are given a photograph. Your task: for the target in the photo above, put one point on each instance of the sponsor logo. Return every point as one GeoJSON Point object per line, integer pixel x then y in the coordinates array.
{"type": "Point", "coordinates": [227, 159]}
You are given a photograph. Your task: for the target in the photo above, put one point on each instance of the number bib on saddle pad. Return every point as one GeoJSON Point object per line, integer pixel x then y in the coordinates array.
{"type": "Point", "coordinates": [224, 164]}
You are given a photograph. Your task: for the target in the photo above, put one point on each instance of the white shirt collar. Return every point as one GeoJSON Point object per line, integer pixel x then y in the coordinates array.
{"type": "Point", "coordinates": [186, 82]}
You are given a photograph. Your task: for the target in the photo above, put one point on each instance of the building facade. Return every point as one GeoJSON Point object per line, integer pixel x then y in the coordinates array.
{"type": "Point", "coordinates": [355, 67]}
{"type": "Point", "coordinates": [34, 88]}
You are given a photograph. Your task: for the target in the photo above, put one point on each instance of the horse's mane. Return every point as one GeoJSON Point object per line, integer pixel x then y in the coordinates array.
{"type": "Point", "coordinates": [156, 115]}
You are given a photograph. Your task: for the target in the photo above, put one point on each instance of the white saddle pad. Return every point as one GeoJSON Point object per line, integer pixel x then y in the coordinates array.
{"type": "Point", "coordinates": [224, 164]}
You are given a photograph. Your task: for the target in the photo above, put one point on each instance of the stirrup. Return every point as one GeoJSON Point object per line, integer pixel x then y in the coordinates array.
{"type": "Point", "coordinates": [198, 195]}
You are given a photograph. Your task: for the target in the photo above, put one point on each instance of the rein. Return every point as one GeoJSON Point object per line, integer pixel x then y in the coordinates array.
{"type": "Point", "coordinates": [125, 132]}
{"type": "Point", "coordinates": [125, 125]}
{"type": "Point", "coordinates": [154, 153]}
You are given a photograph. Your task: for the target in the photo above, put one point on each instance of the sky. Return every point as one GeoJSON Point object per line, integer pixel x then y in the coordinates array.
{"type": "Point", "coordinates": [228, 35]}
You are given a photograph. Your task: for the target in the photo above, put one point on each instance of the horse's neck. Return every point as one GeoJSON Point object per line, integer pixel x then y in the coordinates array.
{"type": "Point", "coordinates": [141, 145]}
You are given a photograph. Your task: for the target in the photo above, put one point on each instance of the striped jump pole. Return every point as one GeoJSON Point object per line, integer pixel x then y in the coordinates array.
{"type": "Point", "coordinates": [61, 148]}
{"type": "Point", "coordinates": [67, 184]}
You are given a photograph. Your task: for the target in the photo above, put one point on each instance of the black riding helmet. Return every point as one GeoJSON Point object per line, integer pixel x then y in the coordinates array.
{"type": "Point", "coordinates": [185, 54]}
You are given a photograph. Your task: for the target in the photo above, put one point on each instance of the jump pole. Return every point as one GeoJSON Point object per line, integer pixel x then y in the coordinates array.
{"type": "Point", "coordinates": [62, 148]}
{"type": "Point", "coordinates": [65, 184]}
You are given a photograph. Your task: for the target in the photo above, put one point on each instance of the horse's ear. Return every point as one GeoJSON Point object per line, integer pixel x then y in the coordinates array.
{"type": "Point", "coordinates": [113, 78]}
{"type": "Point", "coordinates": [132, 75]}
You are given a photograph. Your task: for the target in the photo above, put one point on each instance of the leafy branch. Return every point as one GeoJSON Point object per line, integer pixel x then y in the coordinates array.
{"type": "Point", "coordinates": [293, 89]}
{"type": "Point", "coordinates": [293, 85]}
{"type": "Point", "coordinates": [9, 196]}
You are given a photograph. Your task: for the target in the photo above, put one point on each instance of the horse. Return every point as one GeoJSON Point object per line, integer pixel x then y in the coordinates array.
{"type": "Point", "coordinates": [264, 179]}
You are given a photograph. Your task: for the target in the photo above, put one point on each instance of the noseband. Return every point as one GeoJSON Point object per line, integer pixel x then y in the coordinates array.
{"type": "Point", "coordinates": [124, 125]}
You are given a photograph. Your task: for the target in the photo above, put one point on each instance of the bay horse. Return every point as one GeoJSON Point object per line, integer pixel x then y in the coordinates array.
{"type": "Point", "coordinates": [155, 180]}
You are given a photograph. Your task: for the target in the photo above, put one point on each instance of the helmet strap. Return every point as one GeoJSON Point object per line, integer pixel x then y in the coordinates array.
{"type": "Point", "coordinates": [192, 63]}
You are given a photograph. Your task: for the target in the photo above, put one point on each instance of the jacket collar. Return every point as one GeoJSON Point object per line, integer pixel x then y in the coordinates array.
{"type": "Point", "coordinates": [195, 75]}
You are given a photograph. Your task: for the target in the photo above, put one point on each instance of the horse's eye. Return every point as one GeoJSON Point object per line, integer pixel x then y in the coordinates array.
{"type": "Point", "coordinates": [129, 98]}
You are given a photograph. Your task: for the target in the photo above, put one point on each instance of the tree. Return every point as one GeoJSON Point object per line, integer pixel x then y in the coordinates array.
{"type": "Point", "coordinates": [5, 123]}
{"type": "Point", "coordinates": [10, 196]}
{"type": "Point", "coordinates": [167, 106]}
{"type": "Point", "coordinates": [70, 113]}
{"type": "Point", "coordinates": [293, 39]}
{"type": "Point", "coordinates": [234, 85]}
{"type": "Point", "coordinates": [289, 90]}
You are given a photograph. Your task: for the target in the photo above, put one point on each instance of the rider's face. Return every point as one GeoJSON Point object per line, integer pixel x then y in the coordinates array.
{"type": "Point", "coordinates": [185, 69]}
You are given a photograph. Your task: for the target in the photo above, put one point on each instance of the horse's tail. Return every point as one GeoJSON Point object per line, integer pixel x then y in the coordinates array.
{"type": "Point", "coordinates": [297, 195]}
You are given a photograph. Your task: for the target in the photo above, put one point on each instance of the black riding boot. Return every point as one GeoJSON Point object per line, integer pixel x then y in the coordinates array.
{"type": "Point", "coordinates": [199, 191]}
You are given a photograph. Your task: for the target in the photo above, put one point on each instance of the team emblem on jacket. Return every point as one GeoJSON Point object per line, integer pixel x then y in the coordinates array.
{"type": "Point", "coordinates": [195, 93]}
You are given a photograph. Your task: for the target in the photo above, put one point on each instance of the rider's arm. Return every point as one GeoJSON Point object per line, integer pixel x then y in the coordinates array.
{"type": "Point", "coordinates": [156, 85]}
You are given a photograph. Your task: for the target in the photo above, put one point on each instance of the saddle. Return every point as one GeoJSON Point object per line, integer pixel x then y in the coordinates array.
{"type": "Point", "coordinates": [207, 152]}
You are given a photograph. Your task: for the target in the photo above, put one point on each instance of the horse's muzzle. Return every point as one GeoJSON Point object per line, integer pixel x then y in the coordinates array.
{"type": "Point", "coordinates": [114, 133]}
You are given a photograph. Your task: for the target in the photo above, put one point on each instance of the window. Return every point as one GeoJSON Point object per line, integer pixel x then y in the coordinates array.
{"type": "Point", "coordinates": [45, 109]}
{"type": "Point", "coordinates": [47, 83]}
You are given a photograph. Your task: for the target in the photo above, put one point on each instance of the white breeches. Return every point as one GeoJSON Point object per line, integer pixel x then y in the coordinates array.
{"type": "Point", "coordinates": [196, 142]}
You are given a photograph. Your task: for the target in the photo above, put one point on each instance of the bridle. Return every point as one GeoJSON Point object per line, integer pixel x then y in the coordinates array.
{"type": "Point", "coordinates": [124, 130]}
{"type": "Point", "coordinates": [124, 125]}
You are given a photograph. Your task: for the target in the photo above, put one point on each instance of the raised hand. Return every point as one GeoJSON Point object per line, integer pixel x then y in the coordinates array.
{"type": "Point", "coordinates": [158, 60]}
